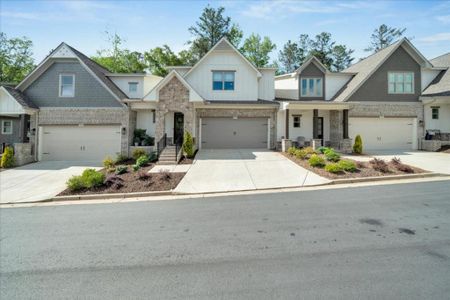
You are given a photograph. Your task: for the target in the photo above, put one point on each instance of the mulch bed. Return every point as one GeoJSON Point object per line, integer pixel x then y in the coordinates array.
{"type": "Point", "coordinates": [364, 169]}
{"type": "Point", "coordinates": [187, 161]}
{"type": "Point", "coordinates": [134, 182]}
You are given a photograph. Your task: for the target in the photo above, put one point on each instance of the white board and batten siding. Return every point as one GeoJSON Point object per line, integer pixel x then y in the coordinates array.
{"type": "Point", "coordinates": [266, 87]}
{"type": "Point", "coordinates": [8, 105]}
{"type": "Point", "coordinates": [79, 143]}
{"type": "Point", "coordinates": [385, 133]}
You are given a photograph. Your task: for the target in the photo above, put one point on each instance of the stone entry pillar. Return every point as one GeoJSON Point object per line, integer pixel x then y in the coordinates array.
{"type": "Point", "coordinates": [160, 127]}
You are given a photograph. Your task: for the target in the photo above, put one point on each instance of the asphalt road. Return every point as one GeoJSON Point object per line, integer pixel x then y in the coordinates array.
{"type": "Point", "coordinates": [380, 242]}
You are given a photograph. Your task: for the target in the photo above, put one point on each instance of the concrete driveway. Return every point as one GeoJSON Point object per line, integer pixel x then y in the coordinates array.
{"type": "Point", "coordinates": [437, 162]}
{"type": "Point", "coordinates": [244, 169]}
{"type": "Point", "coordinates": [38, 181]}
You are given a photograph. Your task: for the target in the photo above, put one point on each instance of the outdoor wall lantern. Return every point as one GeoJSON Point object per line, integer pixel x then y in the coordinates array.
{"type": "Point", "coordinates": [124, 130]}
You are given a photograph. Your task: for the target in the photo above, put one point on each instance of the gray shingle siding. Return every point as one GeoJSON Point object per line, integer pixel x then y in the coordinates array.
{"type": "Point", "coordinates": [376, 86]}
{"type": "Point", "coordinates": [44, 92]}
{"type": "Point", "coordinates": [311, 71]}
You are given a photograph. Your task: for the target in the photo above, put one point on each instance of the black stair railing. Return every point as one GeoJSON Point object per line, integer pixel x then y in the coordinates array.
{"type": "Point", "coordinates": [162, 143]}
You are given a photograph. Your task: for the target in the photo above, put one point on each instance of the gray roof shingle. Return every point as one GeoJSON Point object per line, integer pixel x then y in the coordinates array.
{"type": "Point", "coordinates": [440, 86]}
{"type": "Point", "coordinates": [20, 97]}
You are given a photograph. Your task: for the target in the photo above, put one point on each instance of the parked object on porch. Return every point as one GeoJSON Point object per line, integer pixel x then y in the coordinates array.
{"type": "Point", "coordinates": [188, 145]}
{"type": "Point", "coordinates": [148, 141]}
{"type": "Point", "coordinates": [358, 147]}
{"type": "Point", "coordinates": [301, 141]}
{"type": "Point", "coordinates": [8, 160]}
{"type": "Point", "coordinates": [141, 138]}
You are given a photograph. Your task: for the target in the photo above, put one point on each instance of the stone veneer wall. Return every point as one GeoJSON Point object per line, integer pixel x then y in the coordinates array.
{"type": "Point", "coordinates": [243, 113]}
{"type": "Point", "coordinates": [23, 153]}
{"type": "Point", "coordinates": [173, 97]}
{"type": "Point", "coordinates": [336, 128]}
{"type": "Point", "coordinates": [408, 109]}
{"type": "Point", "coordinates": [90, 116]}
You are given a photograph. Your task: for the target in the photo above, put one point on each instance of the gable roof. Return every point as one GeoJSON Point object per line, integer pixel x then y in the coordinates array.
{"type": "Point", "coordinates": [21, 98]}
{"type": "Point", "coordinates": [309, 61]}
{"type": "Point", "coordinates": [94, 68]}
{"type": "Point", "coordinates": [153, 95]}
{"type": "Point", "coordinates": [224, 44]}
{"type": "Point", "coordinates": [440, 86]}
{"type": "Point", "coordinates": [366, 67]}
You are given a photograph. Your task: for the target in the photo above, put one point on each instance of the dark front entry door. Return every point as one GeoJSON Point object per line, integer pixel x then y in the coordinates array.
{"type": "Point", "coordinates": [320, 128]}
{"type": "Point", "coordinates": [178, 127]}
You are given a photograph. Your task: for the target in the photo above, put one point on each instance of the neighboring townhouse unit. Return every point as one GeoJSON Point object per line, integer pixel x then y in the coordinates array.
{"type": "Point", "coordinates": [377, 97]}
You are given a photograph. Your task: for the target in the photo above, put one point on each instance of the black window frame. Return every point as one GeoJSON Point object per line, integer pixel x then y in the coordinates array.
{"type": "Point", "coordinates": [435, 113]}
{"type": "Point", "coordinates": [299, 122]}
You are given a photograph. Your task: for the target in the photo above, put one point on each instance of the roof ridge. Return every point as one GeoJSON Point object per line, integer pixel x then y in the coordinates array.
{"type": "Point", "coordinates": [440, 56]}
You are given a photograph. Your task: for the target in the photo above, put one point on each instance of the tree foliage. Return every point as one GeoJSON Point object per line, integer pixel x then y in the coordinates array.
{"type": "Point", "coordinates": [118, 59]}
{"type": "Point", "coordinates": [291, 57]}
{"type": "Point", "coordinates": [257, 50]}
{"type": "Point", "coordinates": [157, 59]}
{"type": "Point", "coordinates": [15, 58]}
{"type": "Point", "coordinates": [210, 28]}
{"type": "Point", "coordinates": [383, 36]}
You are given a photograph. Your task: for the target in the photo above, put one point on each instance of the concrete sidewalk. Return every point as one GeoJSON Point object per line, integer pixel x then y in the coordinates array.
{"type": "Point", "coordinates": [244, 169]}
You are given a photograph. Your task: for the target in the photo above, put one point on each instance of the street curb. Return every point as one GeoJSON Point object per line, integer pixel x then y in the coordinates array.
{"type": "Point", "coordinates": [387, 177]}
{"type": "Point", "coordinates": [111, 196]}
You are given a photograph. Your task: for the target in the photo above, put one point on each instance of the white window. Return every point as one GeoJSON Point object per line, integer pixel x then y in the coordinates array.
{"type": "Point", "coordinates": [401, 82]}
{"type": "Point", "coordinates": [296, 120]}
{"type": "Point", "coordinates": [66, 85]}
{"type": "Point", "coordinates": [435, 113]}
{"type": "Point", "coordinates": [311, 87]}
{"type": "Point", "coordinates": [223, 80]}
{"type": "Point", "coordinates": [132, 87]}
{"type": "Point", "coordinates": [7, 127]}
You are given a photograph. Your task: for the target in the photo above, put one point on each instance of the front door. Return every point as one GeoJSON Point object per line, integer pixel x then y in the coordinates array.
{"type": "Point", "coordinates": [320, 128]}
{"type": "Point", "coordinates": [178, 127]}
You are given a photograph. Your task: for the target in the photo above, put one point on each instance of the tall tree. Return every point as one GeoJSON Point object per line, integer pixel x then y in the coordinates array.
{"type": "Point", "coordinates": [257, 50]}
{"type": "Point", "coordinates": [15, 58]}
{"type": "Point", "coordinates": [210, 28]}
{"type": "Point", "coordinates": [118, 59]}
{"type": "Point", "coordinates": [322, 48]}
{"type": "Point", "coordinates": [290, 57]}
{"type": "Point", "coordinates": [159, 58]}
{"type": "Point", "coordinates": [342, 58]}
{"type": "Point", "coordinates": [383, 36]}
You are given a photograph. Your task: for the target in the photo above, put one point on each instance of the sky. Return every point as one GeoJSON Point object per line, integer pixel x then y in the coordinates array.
{"type": "Point", "coordinates": [148, 24]}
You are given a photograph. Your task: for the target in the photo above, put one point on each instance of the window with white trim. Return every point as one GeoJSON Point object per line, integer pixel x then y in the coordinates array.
{"type": "Point", "coordinates": [311, 87]}
{"type": "Point", "coordinates": [7, 127]}
{"type": "Point", "coordinates": [223, 80]}
{"type": "Point", "coordinates": [66, 85]}
{"type": "Point", "coordinates": [401, 82]}
{"type": "Point", "coordinates": [132, 87]}
{"type": "Point", "coordinates": [296, 121]}
{"type": "Point", "coordinates": [435, 113]}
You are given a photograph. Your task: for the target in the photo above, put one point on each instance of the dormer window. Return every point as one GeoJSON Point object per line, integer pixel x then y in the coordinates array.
{"type": "Point", "coordinates": [401, 82]}
{"type": "Point", "coordinates": [66, 85]}
{"type": "Point", "coordinates": [132, 87]}
{"type": "Point", "coordinates": [311, 87]}
{"type": "Point", "coordinates": [223, 80]}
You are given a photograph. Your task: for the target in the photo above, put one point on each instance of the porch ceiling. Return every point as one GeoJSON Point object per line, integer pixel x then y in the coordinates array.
{"type": "Point", "coordinates": [317, 105]}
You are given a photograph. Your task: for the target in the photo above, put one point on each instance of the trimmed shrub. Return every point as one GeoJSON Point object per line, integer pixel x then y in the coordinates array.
{"type": "Point", "coordinates": [401, 166]}
{"type": "Point", "coordinates": [291, 150]}
{"type": "Point", "coordinates": [309, 150]}
{"type": "Point", "coordinates": [347, 165]}
{"type": "Point", "coordinates": [188, 145]}
{"type": "Point", "coordinates": [121, 170]}
{"type": "Point", "coordinates": [8, 160]}
{"type": "Point", "coordinates": [120, 158]}
{"type": "Point", "coordinates": [316, 161]}
{"type": "Point", "coordinates": [333, 168]}
{"type": "Point", "coordinates": [75, 183]}
{"type": "Point", "coordinates": [301, 154]}
{"type": "Point", "coordinates": [143, 175]}
{"type": "Point", "coordinates": [331, 155]}
{"type": "Point", "coordinates": [379, 165]}
{"type": "Point", "coordinates": [138, 152]}
{"type": "Point", "coordinates": [142, 161]}
{"type": "Point", "coordinates": [108, 162]}
{"type": "Point", "coordinates": [114, 181]}
{"type": "Point", "coordinates": [358, 146]}
{"type": "Point", "coordinates": [92, 178]}
{"type": "Point", "coordinates": [136, 167]}
{"type": "Point", "coordinates": [322, 149]}
{"type": "Point", "coordinates": [152, 157]}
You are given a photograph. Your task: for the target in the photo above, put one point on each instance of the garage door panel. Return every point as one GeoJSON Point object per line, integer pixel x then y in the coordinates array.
{"type": "Point", "coordinates": [79, 143]}
{"type": "Point", "coordinates": [383, 133]}
{"type": "Point", "coordinates": [228, 133]}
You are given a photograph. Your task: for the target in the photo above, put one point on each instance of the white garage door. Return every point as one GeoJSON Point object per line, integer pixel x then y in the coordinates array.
{"type": "Point", "coordinates": [384, 133]}
{"type": "Point", "coordinates": [78, 143]}
{"type": "Point", "coordinates": [229, 133]}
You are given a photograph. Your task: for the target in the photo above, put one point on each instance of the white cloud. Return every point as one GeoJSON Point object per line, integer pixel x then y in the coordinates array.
{"type": "Point", "coordinates": [435, 38]}
{"type": "Point", "coordinates": [444, 19]}
{"type": "Point", "coordinates": [20, 15]}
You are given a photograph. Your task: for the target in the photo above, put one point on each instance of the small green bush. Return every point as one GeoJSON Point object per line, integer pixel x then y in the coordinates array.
{"type": "Point", "coordinates": [357, 146]}
{"type": "Point", "coordinates": [301, 154]}
{"type": "Point", "coordinates": [291, 150]}
{"type": "Point", "coordinates": [121, 170]}
{"type": "Point", "coordinates": [322, 149]}
{"type": "Point", "coordinates": [347, 165]}
{"type": "Point", "coordinates": [108, 162]}
{"type": "Point", "coordinates": [309, 150]}
{"type": "Point", "coordinates": [152, 157]}
{"type": "Point", "coordinates": [142, 161]}
{"type": "Point", "coordinates": [333, 168]}
{"type": "Point", "coordinates": [316, 161]}
{"type": "Point", "coordinates": [138, 152]}
{"type": "Point", "coordinates": [331, 155]}
{"type": "Point", "coordinates": [75, 183]}
{"type": "Point", "coordinates": [120, 158]}
{"type": "Point", "coordinates": [188, 145]}
{"type": "Point", "coordinates": [136, 168]}
{"type": "Point", "coordinates": [8, 160]}
{"type": "Point", "coordinates": [92, 178]}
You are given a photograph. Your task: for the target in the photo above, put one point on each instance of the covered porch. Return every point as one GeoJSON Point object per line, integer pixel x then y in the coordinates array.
{"type": "Point", "coordinates": [315, 124]}
{"type": "Point", "coordinates": [436, 123]}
